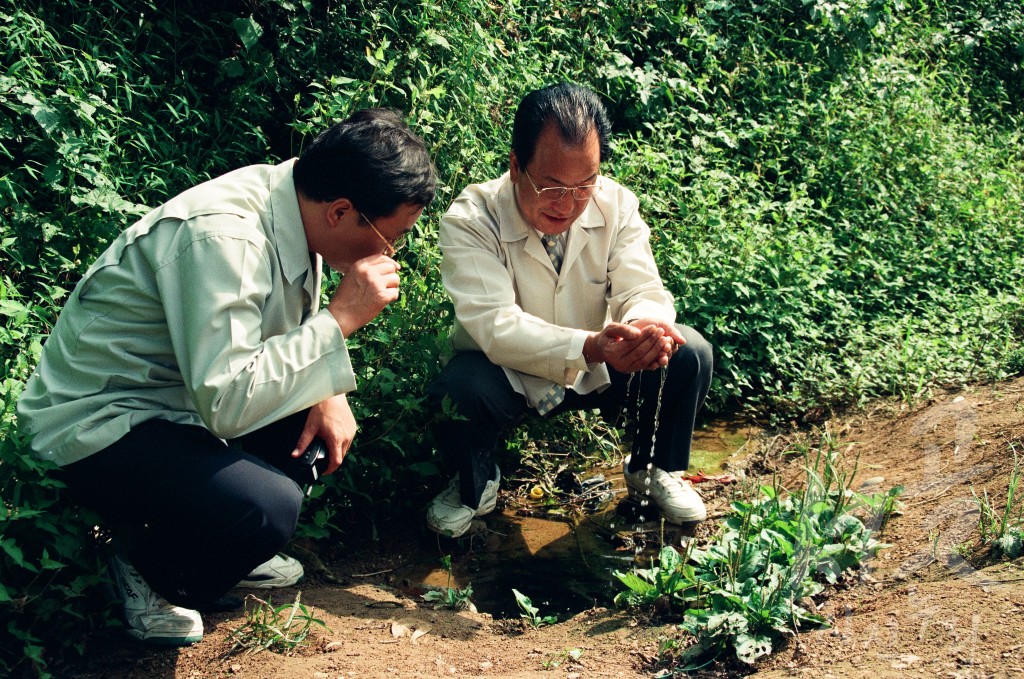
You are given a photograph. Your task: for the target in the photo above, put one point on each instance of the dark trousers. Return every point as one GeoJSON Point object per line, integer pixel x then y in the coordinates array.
{"type": "Point", "coordinates": [486, 407]}
{"type": "Point", "coordinates": [192, 514]}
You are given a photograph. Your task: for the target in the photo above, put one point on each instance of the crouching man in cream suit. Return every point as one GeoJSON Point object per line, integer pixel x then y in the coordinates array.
{"type": "Point", "coordinates": [559, 306]}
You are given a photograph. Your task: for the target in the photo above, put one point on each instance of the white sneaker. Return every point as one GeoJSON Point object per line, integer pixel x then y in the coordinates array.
{"type": "Point", "coordinates": [675, 497]}
{"type": "Point", "coordinates": [280, 571]}
{"type": "Point", "coordinates": [148, 616]}
{"type": "Point", "coordinates": [448, 516]}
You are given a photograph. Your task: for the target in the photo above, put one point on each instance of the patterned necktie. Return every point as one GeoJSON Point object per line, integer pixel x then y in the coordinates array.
{"type": "Point", "coordinates": [555, 246]}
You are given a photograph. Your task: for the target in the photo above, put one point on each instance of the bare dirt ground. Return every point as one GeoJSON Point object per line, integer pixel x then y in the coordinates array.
{"type": "Point", "coordinates": [918, 609]}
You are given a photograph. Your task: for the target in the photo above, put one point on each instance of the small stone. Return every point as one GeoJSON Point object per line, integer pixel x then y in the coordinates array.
{"type": "Point", "coordinates": [235, 669]}
{"type": "Point", "coordinates": [486, 665]}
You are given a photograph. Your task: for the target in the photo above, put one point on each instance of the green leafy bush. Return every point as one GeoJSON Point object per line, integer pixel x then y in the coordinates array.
{"type": "Point", "coordinates": [752, 586]}
{"type": "Point", "coordinates": [50, 564]}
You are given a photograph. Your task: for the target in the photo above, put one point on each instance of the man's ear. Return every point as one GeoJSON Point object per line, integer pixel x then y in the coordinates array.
{"type": "Point", "coordinates": [513, 166]}
{"type": "Point", "coordinates": [337, 209]}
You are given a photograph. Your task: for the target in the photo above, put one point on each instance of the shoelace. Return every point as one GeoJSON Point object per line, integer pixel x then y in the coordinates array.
{"type": "Point", "coordinates": [670, 481]}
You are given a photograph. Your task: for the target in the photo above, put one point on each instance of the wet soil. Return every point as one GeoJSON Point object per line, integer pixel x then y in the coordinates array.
{"type": "Point", "coordinates": [933, 604]}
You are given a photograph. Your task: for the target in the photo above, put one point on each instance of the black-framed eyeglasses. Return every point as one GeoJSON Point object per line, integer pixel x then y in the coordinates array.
{"type": "Point", "coordinates": [391, 248]}
{"type": "Point", "coordinates": [553, 193]}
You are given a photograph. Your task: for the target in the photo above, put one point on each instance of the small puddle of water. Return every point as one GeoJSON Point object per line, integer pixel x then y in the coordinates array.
{"type": "Point", "coordinates": [563, 569]}
{"type": "Point", "coordinates": [714, 444]}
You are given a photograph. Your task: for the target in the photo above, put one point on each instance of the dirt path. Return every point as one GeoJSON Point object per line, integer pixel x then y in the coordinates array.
{"type": "Point", "coordinates": [919, 609]}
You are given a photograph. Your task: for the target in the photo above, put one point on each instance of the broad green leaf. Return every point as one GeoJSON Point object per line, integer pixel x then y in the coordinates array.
{"type": "Point", "coordinates": [248, 31]}
{"type": "Point", "coordinates": [750, 647]}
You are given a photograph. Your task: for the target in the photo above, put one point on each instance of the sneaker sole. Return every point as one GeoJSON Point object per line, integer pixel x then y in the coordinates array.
{"type": "Point", "coordinates": [270, 583]}
{"type": "Point", "coordinates": [164, 641]}
{"type": "Point", "coordinates": [475, 526]}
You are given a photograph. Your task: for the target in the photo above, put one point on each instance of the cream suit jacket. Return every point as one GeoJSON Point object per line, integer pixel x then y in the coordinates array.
{"type": "Point", "coordinates": [512, 305]}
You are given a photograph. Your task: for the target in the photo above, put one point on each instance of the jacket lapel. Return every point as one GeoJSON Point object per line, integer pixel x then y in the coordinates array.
{"type": "Point", "coordinates": [513, 227]}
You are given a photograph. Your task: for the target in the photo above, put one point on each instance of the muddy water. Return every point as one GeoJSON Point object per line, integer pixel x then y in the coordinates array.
{"type": "Point", "coordinates": [566, 566]}
{"type": "Point", "coordinates": [718, 444]}
{"type": "Point", "coordinates": [562, 568]}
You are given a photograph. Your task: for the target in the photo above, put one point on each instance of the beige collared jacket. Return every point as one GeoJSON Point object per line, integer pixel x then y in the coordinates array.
{"type": "Point", "coordinates": [512, 305]}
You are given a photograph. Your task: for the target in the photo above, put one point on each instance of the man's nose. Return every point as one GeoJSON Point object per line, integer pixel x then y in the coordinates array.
{"type": "Point", "coordinates": [566, 203]}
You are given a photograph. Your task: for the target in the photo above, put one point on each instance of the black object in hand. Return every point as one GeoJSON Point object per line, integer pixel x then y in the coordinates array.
{"type": "Point", "coordinates": [314, 459]}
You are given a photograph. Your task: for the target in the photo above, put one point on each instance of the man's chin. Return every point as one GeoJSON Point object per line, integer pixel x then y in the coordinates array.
{"type": "Point", "coordinates": [556, 225]}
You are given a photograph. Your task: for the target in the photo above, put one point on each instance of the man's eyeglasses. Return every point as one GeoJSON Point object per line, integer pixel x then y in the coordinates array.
{"type": "Point", "coordinates": [553, 193]}
{"type": "Point", "coordinates": [391, 248]}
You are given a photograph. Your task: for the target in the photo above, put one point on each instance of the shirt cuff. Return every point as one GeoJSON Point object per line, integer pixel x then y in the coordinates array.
{"type": "Point", "coordinates": [578, 366]}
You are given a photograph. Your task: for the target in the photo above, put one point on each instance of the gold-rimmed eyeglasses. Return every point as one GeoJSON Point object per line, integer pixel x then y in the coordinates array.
{"type": "Point", "coordinates": [391, 248]}
{"type": "Point", "coordinates": [553, 193]}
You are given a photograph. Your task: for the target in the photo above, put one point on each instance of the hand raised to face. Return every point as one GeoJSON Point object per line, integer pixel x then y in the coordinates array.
{"type": "Point", "coordinates": [368, 286]}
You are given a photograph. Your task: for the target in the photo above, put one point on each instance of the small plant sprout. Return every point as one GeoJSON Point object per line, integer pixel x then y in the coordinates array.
{"type": "Point", "coordinates": [881, 507]}
{"type": "Point", "coordinates": [570, 655]}
{"type": "Point", "coordinates": [963, 550]}
{"type": "Point", "coordinates": [268, 628]}
{"type": "Point", "coordinates": [934, 536]}
{"type": "Point", "coordinates": [1003, 529]}
{"type": "Point", "coordinates": [448, 596]}
{"type": "Point", "coordinates": [530, 613]}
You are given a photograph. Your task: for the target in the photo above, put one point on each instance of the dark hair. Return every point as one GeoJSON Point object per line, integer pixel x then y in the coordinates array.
{"type": "Point", "coordinates": [373, 159]}
{"type": "Point", "coordinates": [575, 110]}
